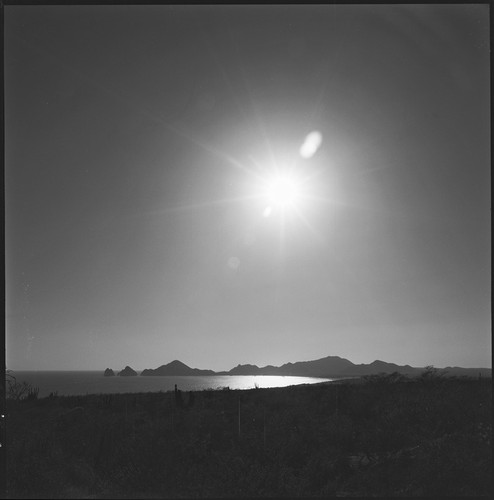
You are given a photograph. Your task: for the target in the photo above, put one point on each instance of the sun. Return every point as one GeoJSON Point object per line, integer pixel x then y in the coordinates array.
{"type": "Point", "coordinates": [282, 190]}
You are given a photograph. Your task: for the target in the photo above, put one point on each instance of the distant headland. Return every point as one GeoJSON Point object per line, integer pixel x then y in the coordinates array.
{"type": "Point", "coordinates": [328, 367]}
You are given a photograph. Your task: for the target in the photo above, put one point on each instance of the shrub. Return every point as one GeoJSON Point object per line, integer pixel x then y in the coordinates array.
{"type": "Point", "coordinates": [19, 391]}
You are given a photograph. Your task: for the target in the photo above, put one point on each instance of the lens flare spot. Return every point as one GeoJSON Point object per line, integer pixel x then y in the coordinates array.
{"type": "Point", "coordinates": [267, 211]}
{"type": "Point", "coordinates": [233, 263]}
{"type": "Point", "coordinates": [311, 144]}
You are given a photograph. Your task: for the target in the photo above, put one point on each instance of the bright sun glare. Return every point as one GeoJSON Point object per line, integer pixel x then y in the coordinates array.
{"type": "Point", "coordinates": [282, 190]}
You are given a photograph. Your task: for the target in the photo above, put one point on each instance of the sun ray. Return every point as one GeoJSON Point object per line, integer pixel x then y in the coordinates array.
{"type": "Point", "coordinates": [219, 153]}
{"type": "Point", "coordinates": [304, 220]}
{"type": "Point", "coordinates": [257, 115]}
{"type": "Point", "coordinates": [197, 206]}
{"type": "Point", "coordinates": [221, 66]}
{"type": "Point", "coordinates": [281, 246]}
{"type": "Point", "coordinates": [211, 203]}
{"type": "Point", "coordinates": [326, 200]}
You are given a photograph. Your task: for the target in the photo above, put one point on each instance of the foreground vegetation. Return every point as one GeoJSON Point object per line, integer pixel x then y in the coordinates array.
{"type": "Point", "coordinates": [385, 436]}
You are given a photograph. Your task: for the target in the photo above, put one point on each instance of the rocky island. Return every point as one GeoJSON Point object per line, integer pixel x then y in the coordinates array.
{"type": "Point", "coordinates": [127, 372]}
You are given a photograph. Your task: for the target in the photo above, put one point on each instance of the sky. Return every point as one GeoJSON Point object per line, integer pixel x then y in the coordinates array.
{"type": "Point", "coordinates": [145, 147]}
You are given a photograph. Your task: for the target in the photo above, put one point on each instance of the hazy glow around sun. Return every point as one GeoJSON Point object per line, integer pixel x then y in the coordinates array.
{"type": "Point", "coordinates": [284, 188]}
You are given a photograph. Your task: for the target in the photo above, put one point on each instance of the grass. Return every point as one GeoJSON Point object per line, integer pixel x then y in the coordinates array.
{"type": "Point", "coordinates": [384, 436]}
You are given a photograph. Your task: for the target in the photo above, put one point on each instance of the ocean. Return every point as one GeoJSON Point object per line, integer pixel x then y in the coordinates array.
{"type": "Point", "coordinates": [75, 383]}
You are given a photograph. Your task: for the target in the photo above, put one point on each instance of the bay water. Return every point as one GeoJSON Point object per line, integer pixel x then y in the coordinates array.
{"type": "Point", "coordinates": [75, 383]}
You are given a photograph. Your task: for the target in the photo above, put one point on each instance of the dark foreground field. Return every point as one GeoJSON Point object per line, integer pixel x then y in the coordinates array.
{"type": "Point", "coordinates": [386, 436]}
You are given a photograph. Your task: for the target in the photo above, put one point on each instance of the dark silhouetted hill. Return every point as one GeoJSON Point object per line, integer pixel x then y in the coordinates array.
{"type": "Point", "coordinates": [244, 370]}
{"type": "Point", "coordinates": [469, 372]}
{"type": "Point", "coordinates": [175, 368]}
{"type": "Point", "coordinates": [109, 373]}
{"type": "Point", "coordinates": [378, 366]}
{"type": "Point", "coordinates": [127, 372]}
{"type": "Point", "coordinates": [324, 367]}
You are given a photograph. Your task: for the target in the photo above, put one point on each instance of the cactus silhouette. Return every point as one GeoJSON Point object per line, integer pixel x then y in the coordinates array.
{"type": "Point", "coordinates": [178, 397]}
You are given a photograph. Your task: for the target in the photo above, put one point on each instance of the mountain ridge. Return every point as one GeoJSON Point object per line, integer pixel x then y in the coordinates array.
{"type": "Point", "coordinates": [327, 367]}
